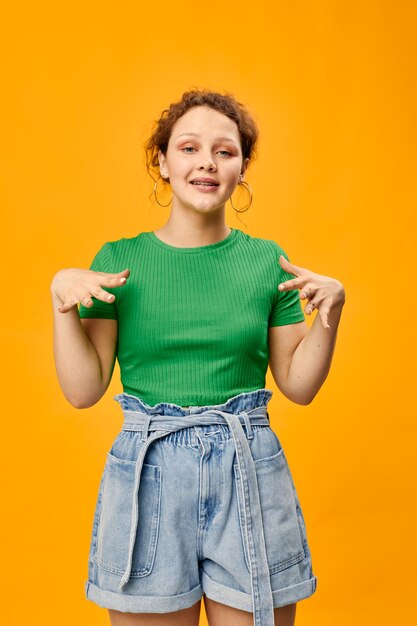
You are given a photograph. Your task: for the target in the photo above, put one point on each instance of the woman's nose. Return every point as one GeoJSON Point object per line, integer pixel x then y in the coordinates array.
{"type": "Point", "coordinates": [207, 163]}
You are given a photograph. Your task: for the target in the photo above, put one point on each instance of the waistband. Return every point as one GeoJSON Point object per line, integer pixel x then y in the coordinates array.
{"type": "Point", "coordinates": [155, 422]}
{"type": "Point", "coordinates": [242, 402]}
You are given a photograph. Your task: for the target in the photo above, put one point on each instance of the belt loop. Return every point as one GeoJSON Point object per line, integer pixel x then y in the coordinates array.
{"type": "Point", "coordinates": [249, 431]}
{"type": "Point", "coordinates": [145, 427]}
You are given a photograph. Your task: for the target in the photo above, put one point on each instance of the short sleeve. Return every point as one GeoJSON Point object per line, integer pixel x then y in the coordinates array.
{"type": "Point", "coordinates": [105, 310]}
{"type": "Point", "coordinates": [286, 308]}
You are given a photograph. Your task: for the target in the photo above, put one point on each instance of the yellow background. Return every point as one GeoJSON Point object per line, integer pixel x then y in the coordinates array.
{"type": "Point", "coordinates": [332, 86]}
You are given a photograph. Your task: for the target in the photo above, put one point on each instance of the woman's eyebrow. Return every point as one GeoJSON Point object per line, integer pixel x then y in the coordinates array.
{"type": "Point", "coordinates": [218, 138]}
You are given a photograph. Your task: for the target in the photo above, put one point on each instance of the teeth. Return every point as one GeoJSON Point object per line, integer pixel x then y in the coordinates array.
{"type": "Point", "coordinates": [206, 184]}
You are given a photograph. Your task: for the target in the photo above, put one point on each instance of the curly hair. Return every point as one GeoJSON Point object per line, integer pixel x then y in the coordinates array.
{"type": "Point", "coordinates": [224, 103]}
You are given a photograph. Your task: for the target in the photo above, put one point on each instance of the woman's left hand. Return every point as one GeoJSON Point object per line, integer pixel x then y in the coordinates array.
{"type": "Point", "coordinates": [322, 292]}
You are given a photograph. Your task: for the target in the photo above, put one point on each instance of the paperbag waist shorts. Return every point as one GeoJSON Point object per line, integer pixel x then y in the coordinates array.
{"type": "Point", "coordinates": [198, 500]}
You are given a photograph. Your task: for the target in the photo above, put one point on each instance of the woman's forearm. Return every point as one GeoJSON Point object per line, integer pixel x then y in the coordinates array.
{"type": "Point", "coordinates": [312, 358]}
{"type": "Point", "coordinates": [76, 360]}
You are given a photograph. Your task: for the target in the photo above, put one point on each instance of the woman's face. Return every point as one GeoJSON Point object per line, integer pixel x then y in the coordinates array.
{"type": "Point", "coordinates": [203, 144]}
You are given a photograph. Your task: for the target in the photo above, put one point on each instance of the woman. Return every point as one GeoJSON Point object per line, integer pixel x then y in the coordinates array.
{"type": "Point", "coordinates": [194, 311]}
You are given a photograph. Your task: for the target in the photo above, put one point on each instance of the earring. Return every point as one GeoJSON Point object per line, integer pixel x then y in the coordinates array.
{"type": "Point", "coordinates": [154, 191]}
{"type": "Point", "coordinates": [248, 187]}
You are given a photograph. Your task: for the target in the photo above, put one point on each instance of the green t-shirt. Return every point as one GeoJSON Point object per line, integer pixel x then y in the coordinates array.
{"type": "Point", "coordinates": [193, 322]}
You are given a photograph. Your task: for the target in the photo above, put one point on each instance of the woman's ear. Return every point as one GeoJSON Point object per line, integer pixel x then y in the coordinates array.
{"type": "Point", "coordinates": [244, 165]}
{"type": "Point", "coordinates": [162, 164]}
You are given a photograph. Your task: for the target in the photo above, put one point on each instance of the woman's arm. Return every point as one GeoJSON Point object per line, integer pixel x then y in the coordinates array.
{"type": "Point", "coordinates": [84, 350]}
{"type": "Point", "coordinates": [300, 358]}
{"type": "Point", "coordinates": [84, 364]}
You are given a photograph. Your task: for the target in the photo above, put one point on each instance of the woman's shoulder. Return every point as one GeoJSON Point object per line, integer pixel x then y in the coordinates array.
{"type": "Point", "coordinates": [125, 243]}
{"type": "Point", "coordinates": [117, 252]}
{"type": "Point", "coordinates": [263, 244]}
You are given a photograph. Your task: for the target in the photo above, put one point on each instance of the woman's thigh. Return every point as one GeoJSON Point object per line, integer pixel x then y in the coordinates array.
{"type": "Point", "coordinates": [220, 615]}
{"type": "Point", "coordinates": [185, 617]}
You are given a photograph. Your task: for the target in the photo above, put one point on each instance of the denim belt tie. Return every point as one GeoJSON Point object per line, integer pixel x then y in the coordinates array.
{"type": "Point", "coordinates": [253, 529]}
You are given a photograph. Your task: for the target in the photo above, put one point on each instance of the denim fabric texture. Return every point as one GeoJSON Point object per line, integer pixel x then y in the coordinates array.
{"type": "Point", "coordinates": [197, 500]}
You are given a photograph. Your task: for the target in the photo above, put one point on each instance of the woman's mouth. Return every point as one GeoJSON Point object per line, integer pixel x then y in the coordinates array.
{"type": "Point", "coordinates": [204, 186]}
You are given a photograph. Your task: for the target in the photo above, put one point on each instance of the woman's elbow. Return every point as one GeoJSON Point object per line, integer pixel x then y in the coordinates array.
{"type": "Point", "coordinates": [298, 397]}
{"type": "Point", "coordinates": [304, 401]}
{"type": "Point", "coordinates": [80, 401]}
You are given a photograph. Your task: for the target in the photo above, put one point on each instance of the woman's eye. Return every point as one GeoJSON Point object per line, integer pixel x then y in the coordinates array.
{"type": "Point", "coordinates": [188, 150]}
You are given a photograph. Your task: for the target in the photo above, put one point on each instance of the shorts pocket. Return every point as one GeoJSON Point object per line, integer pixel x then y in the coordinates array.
{"type": "Point", "coordinates": [279, 508]}
{"type": "Point", "coordinates": [116, 512]}
{"type": "Point", "coordinates": [97, 513]}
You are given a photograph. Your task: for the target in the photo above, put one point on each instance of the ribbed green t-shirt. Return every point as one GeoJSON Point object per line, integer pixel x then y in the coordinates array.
{"type": "Point", "coordinates": [193, 322]}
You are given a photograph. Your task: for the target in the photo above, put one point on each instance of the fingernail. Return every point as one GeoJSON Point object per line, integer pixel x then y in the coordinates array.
{"type": "Point", "coordinates": [110, 297]}
{"type": "Point", "coordinates": [123, 280]}
{"type": "Point", "coordinates": [281, 287]}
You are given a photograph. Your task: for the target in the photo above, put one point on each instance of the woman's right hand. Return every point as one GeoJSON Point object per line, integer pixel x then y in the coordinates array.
{"type": "Point", "coordinates": [73, 285]}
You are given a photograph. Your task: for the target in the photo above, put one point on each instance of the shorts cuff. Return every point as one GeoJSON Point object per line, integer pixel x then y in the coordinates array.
{"type": "Point", "coordinates": [141, 604]}
{"type": "Point", "coordinates": [240, 600]}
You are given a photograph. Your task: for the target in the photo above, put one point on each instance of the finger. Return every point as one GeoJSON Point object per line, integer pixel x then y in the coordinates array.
{"type": "Point", "coordinates": [87, 301]}
{"type": "Point", "coordinates": [290, 267]}
{"type": "Point", "coordinates": [305, 293]}
{"type": "Point", "coordinates": [104, 296]}
{"type": "Point", "coordinates": [121, 277]}
{"type": "Point", "coordinates": [323, 312]}
{"type": "Point", "coordinates": [125, 272]}
{"type": "Point", "coordinates": [324, 315]}
{"type": "Point", "coordinates": [114, 280]}
{"type": "Point", "coordinates": [294, 283]}
{"type": "Point", "coordinates": [309, 308]}
{"type": "Point", "coordinates": [316, 298]}
{"type": "Point", "coordinates": [312, 304]}
{"type": "Point", "coordinates": [67, 306]}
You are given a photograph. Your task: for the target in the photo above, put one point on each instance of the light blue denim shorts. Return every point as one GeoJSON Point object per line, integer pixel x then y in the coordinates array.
{"type": "Point", "coordinates": [191, 532]}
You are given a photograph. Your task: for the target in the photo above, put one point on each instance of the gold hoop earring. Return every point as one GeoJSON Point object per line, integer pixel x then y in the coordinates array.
{"type": "Point", "coordinates": [248, 187]}
{"type": "Point", "coordinates": [154, 191]}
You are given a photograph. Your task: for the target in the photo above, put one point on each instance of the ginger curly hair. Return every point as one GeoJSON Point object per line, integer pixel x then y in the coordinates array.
{"type": "Point", "coordinates": [224, 103]}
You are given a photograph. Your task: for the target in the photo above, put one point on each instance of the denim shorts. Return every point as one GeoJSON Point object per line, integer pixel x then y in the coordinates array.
{"type": "Point", "coordinates": [191, 504]}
